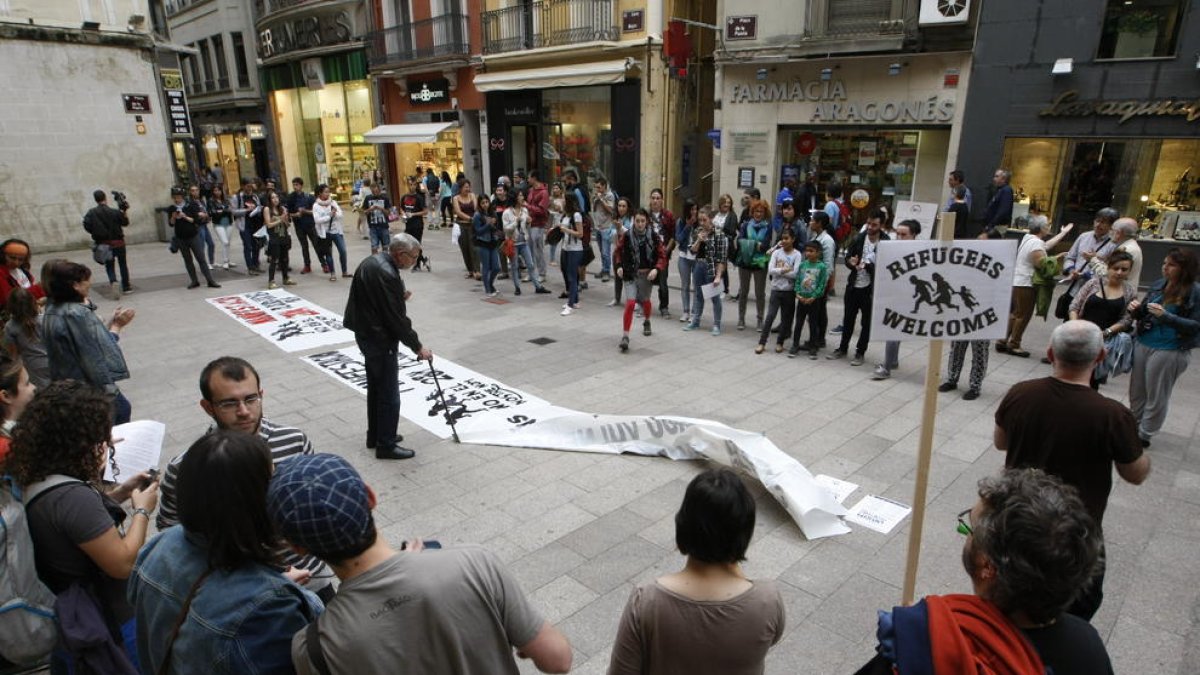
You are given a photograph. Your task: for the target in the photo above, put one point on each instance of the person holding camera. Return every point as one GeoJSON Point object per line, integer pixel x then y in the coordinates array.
{"type": "Point", "coordinates": [106, 225]}
{"type": "Point", "coordinates": [187, 218]}
{"type": "Point", "coordinates": [1168, 327]}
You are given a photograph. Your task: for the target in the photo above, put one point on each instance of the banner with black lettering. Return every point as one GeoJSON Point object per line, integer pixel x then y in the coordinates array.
{"type": "Point", "coordinates": [285, 319]}
{"type": "Point", "coordinates": [490, 413]}
{"type": "Point", "coordinates": [933, 290]}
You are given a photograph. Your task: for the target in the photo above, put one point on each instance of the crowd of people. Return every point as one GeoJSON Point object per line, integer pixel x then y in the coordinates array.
{"type": "Point", "coordinates": [268, 557]}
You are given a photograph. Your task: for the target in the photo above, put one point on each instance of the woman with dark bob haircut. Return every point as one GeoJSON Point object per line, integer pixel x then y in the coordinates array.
{"type": "Point", "coordinates": [209, 593]}
{"type": "Point", "coordinates": [78, 344]}
{"type": "Point", "coordinates": [708, 617]}
{"type": "Point", "coordinates": [58, 455]}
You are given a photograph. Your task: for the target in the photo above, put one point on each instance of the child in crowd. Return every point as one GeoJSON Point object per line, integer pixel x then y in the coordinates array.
{"type": "Point", "coordinates": [23, 335]}
{"type": "Point", "coordinates": [781, 271]}
{"type": "Point", "coordinates": [810, 288]}
{"type": "Point", "coordinates": [16, 391]}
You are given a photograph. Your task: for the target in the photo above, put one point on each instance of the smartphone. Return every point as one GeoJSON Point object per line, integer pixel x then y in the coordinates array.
{"type": "Point", "coordinates": [153, 477]}
{"type": "Point", "coordinates": [429, 543]}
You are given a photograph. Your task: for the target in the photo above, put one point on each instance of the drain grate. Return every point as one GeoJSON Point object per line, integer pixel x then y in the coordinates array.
{"type": "Point", "coordinates": [543, 341]}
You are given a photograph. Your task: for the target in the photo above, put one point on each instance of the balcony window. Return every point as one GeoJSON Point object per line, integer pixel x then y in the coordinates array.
{"type": "Point", "coordinates": [857, 17]}
{"type": "Point", "coordinates": [548, 23]}
{"type": "Point", "coordinates": [239, 60]}
{"type": "Point", "coordinates": [1136, 29]}
{"type": "Point", "coordinates": [440, 36]}
{"type": "Point", "coordinates": [218, 47]}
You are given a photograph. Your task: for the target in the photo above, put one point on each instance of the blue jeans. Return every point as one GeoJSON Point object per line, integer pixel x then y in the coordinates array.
{"type": "Point", "coordinates": [489, 265]}
{"type": "Point", "coordinates": [249, 247]}
{"type": "Point", "coordinates": [209, 245]}
{"type": "Point", "coordinates": [514, 271]}
{"type": "Point", "coordinates": [380, 237]}
{"type": "Point", "coordinates": [383, 390]}
{"type": "Point", "coordinates": [571, 262]}
{"type": "Point", "coordinates": [606, 240]}
{"type": "Point", "coordinates": [702, 274]}
{"type": "Point", "coordinates": [685, 282]}
{"type": "Point", "coordinates": [338, 240]}
{"type": "Point", "coordinates": [118, 260]}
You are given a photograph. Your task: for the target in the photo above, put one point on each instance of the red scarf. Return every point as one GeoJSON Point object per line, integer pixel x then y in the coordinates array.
{"type": "Point", "coordinates": [970, 636]}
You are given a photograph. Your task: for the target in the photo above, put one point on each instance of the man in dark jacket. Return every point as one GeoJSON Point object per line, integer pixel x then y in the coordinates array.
{"type": "Point", "coordinates": [187, 218]}
{"type": "Point", "coordinates": [106, 225]}
{"type": "Point", "coordinates": [377, 314]}
{"type": "Point", "coordinates": [300, 204]}
{"type": "Point", "coordinates": [860, 288]}
{"type": "Point", "coordinates": [1000, 206]}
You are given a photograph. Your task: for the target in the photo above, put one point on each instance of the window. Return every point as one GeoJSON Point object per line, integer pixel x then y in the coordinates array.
{"type": "Point", "coordinates": [193, 72]}
{"type": "Point", "coordinates": [218, 47]}
{"type": "Point", "coordinates": [205, 65]}
{"type": "Point", "coordinates": [239, 59]}
{"type": "Point", "coordinates": [1138, 29]}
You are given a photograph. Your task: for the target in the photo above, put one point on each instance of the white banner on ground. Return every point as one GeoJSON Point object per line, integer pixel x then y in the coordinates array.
{"type": "Point", "coordinates": [933, 290]}
{"type": "Point", "coordinates": [487, 412]}
{"type": "Point", "coordinates": [289, 321]}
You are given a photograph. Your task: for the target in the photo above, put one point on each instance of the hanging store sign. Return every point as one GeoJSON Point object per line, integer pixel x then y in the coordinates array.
{"type": "Point", "coordinates": [179, 119]}
{"type": "Point", "coordinates": [1068, 104]}
{"type": "Point", "coordinates": [431, 92]}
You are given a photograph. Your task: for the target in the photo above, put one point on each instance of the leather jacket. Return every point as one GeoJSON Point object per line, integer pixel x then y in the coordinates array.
{"type": "Point", "coordinates": [376, 309]}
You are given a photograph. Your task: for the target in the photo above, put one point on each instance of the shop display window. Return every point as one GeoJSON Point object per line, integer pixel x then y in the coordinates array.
{"type": "Point", "coordinates": [444, 154]}
{"type": "Point", "coordinates": [1137, 29]}
{"type": "Point", "coordinates": [321, 134]}
{"type": "Point", "coordinates": [1152, 180]}
{"type": "Point", "coordinates": [881, 162]}
{"type": "Point", "coordinates": [579, 135]}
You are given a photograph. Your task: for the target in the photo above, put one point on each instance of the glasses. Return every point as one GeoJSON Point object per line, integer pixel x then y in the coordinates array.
{"type": "Point", "coordinates": [232, 404]}
{"type": "Point", "coordinates": [964, 523]}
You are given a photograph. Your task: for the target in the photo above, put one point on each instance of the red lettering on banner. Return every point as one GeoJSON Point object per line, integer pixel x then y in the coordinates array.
{"type": "Point", "coordinates": [299, 311]}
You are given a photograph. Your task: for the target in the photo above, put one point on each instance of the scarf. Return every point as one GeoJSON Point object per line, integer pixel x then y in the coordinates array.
{"type": "Point", "coordinates": [956, 634]}
{"type": "Point", "coordinates": [642, 246]}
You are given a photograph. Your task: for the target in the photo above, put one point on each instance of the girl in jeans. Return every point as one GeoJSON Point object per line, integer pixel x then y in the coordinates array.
{"type": "Point", "coordinates": [222, 220]}
{"type": "Point", "coordinates": [488, 235]}
{"type": "Point", "coordinates": [687, 260]}
{"type": "Point", "coordinates": [711, 248]}
{"type": "Point", "coordinates": [516, 228]}
{"type": "Point", "coordinates": [329, 217]}
{"type": "Point", "coordinates": [621, 224]}
{"type": "Point", "coordinates": [572, 244]}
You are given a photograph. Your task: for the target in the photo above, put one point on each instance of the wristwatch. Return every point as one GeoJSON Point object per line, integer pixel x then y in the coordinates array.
{"type": "Point", "coordinates": [139, 511]}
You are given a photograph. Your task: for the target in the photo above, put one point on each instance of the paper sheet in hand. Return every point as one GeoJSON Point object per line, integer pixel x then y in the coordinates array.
{"type": "Point", "coordinates": [840, 488]}
{"type": "Point", "coordinates": [711, 291]}
{"type": "Point", "coordinates": [138, 450]}
{"type": "Point", "coordinates": [878, 513]}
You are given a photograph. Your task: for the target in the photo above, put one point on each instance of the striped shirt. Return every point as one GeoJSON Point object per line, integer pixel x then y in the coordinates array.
{"type": "Point", "coordinates": [284, 442]}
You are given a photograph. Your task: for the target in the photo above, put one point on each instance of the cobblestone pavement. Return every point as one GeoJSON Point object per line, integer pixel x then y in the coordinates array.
{"type": "Point", "coordinates": [580, 530]}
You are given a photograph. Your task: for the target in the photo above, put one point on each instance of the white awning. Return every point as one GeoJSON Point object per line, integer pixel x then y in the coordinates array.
{"type": "Point", "coordinates": [406, 133]}
{"type": "Point", "coordinates": [578, 75]}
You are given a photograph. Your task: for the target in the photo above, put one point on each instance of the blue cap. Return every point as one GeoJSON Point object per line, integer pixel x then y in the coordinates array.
{"type": "Point", "coordinates": [319, 502]}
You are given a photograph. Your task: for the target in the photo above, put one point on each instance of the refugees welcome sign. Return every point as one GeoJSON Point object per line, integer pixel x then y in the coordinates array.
{"type": "Point", "coordinates": [932, 290]}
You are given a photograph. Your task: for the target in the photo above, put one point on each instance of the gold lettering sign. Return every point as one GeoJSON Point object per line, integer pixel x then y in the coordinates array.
{"type": "Point", "coordinates": [1068, 104]}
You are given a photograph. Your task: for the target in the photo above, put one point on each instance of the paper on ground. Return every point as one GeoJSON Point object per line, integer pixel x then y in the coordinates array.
{"type": "Point", "coordinates": [840, 488]}
{"type": "Point", "coordinates": [138, 448]}
{"type": "Point", "coordinates": [878, 513]}
{"type": "Point", "coordinates": [489, 412]}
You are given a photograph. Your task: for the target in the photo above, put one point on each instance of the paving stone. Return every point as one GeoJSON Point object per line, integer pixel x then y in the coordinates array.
{"type": "Point", "coordinates": [618, 564]}
{"type": "Point", "coordinates": [561, 598]}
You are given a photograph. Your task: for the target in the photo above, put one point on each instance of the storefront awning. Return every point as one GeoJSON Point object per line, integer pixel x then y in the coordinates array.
{"type": "Point", "coordinates": [406, 133]}
{"type": "Point", "coordinates": [578, 75]}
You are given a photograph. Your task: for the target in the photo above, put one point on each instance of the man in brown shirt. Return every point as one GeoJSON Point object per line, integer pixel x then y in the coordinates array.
{"type": "Point", "coordinates": [1062, 426]}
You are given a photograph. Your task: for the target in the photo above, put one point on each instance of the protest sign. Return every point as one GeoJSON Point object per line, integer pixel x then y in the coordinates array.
{"type": "Point", "coordinates": [934, 290]}
{"type": "Point", "coordinates": [289, 321]}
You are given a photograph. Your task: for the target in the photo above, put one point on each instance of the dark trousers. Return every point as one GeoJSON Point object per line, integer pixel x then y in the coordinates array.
{"type": "Point", "coordinates": [305, 235]}
{"type": "Point", "coordinates": [1088, 602]}
{"type": "Point", "coordinates": [781, 302]}
{"type": "Point", "coordinates": [664, 293]}
{"type": "Point", "coordinates": [809, 312]}
{"type": "Point", "coordinates": [249, 247]}
{"type": "Point", "coordinates": [858, 301]}
{"type": "Point", "coordinates": [194, 248]}
{"type": "Point", "coordinates": [118, 260]}
{"type": "Point", "coordinates": [820, 314]}
{"type": "Point", "coordinates": [383, 390]}
{"type": "Point", "coordinates": [466, 244]}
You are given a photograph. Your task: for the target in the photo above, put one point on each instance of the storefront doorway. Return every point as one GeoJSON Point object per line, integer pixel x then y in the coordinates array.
{"type": "Point", "coordinates": [321, 134]}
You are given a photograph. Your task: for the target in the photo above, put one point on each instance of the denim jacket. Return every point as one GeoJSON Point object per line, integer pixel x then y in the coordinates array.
{"type": "Point", "coordinates": [239, 622]}
{"type": "Point", "coordinates": [80, 347]}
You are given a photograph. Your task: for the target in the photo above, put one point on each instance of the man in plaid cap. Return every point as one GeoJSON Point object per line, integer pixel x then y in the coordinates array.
{"type": "Point", "coordinates": [419, 610]}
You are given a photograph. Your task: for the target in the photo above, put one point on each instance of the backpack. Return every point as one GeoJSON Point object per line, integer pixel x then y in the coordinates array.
{"type": "Point", "coordinates": [433, 184]}
{"type": "Point", "coordinates": [845, 218]}
{"type": "Point", "coordinates": [27, 629]}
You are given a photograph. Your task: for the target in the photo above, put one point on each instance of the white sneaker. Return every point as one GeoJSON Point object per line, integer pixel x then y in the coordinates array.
{"type": "Point", "coordinates": [225, 266]}
{"type": "Point", "coordinates": [611, 303]}
{"type": "Point", "coordinates": [567, 311]}
{"type": "Point", "coordinates": [686, 318]}
{"type": "Point", "coordinates": [230, 265]}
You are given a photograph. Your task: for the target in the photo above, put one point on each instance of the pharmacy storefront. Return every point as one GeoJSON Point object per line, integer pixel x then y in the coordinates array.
{"type": "Point", "coordinates": [884, 129]}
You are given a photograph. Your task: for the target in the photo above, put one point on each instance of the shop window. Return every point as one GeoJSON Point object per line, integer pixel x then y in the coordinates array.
{"type": "Point", "coordinates": [239, 60]}
{"type": "Point", "coordinates": [1135, 29]}
{"type": "Point", "coordinates": [578, 135]}
{"type": "Point", "coordinates": [321, 133]}
{"type": "Point", "coordinates": [882, 162]}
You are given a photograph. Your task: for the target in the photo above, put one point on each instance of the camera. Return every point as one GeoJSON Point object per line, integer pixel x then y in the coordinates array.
{"type": "Point", "coordinates": [121, 200]}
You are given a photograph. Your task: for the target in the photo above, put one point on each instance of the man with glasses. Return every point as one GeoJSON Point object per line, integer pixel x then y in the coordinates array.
{"type": "Point", "coordinates": [1059, 424]}
{"type": "Point", "coordinates": [1030, 547]}
{"type": "Point", "coordinates": [378, 315]}
{"type": "Point", "coordinates": [231, 394]}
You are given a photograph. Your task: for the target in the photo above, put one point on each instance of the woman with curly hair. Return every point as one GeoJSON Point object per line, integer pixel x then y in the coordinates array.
{"type": "Point", "coordinates": [210, 596]}
{"type": "Point", "coordinates": [80, 533]}
{"type": "Point", "coordinates": [79, 345]}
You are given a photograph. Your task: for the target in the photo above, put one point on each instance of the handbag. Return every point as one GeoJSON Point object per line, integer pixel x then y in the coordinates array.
{"type": "Point", "coordinates": [554, 236]}
{"type": "Point", "coordinates": [102, 253]}
{"type": "Point", "coordinates": [508, 248]}
{"type": "Point", "coordinates": [1062, 308]}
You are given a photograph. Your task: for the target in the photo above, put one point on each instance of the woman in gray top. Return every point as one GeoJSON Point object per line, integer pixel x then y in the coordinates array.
{"type": "Point", "coordinates": [708, 617]}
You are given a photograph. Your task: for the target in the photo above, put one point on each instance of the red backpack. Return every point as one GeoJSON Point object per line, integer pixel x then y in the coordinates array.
{"type": "Point", "coordinates": [844, 221]}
